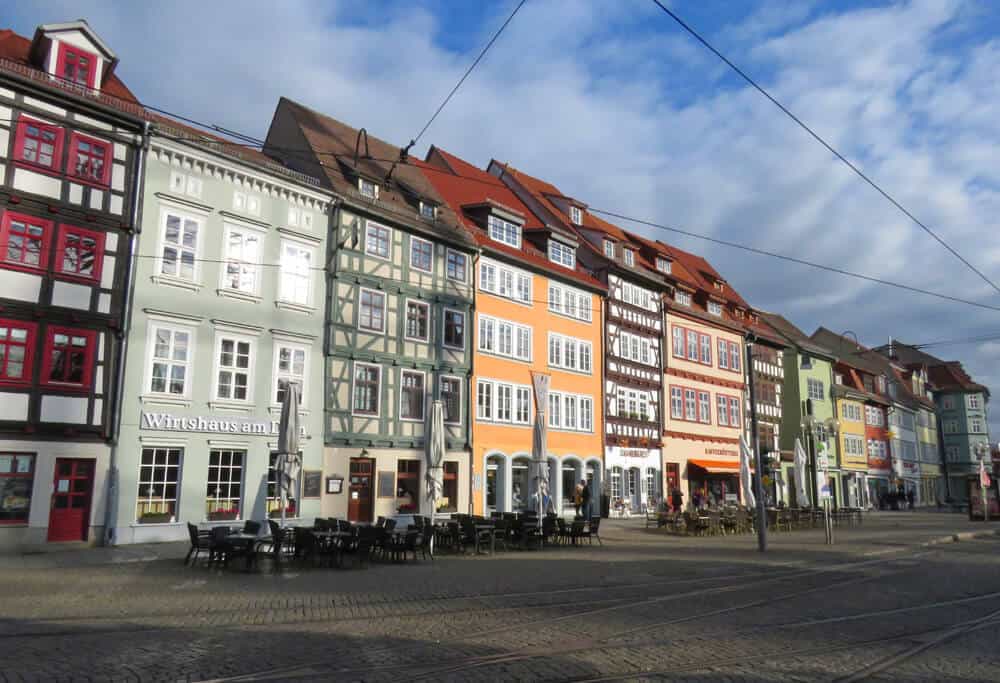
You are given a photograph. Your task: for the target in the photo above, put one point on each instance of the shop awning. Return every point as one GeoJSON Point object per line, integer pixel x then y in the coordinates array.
{"type": "Point", "coordinates": [717, 466]}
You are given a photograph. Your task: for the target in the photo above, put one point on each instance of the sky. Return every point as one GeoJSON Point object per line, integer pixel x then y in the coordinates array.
{"type": "Point", "coordinates": [617, 106]}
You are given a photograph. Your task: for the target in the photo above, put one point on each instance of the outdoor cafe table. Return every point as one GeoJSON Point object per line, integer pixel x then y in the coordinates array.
{"type": "Point", "coordinates": [481, 527]}
{"type": "Point", "coordinates": [334, 540]}
{"type": "Point", "coordinates": [247, 541]}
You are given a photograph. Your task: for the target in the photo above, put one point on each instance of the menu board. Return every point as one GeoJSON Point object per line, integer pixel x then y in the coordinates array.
{"type": "Point", "coordinates": [312, 483]}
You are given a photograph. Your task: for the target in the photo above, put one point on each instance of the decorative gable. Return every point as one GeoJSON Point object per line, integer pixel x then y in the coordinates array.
{"type": "Point", "coordinates": [73, 53]}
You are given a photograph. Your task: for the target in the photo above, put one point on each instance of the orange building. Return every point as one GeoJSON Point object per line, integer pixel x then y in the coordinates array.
{"type": "Point", "coordinates": [536, 311]}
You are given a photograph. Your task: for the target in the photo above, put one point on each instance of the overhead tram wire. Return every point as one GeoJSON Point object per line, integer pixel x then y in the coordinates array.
{"type": "Point", "coordinates": [861, 174]}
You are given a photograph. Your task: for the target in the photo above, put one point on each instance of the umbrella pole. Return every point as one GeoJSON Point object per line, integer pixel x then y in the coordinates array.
{"type": "Point", "coordinates": [281, 500]}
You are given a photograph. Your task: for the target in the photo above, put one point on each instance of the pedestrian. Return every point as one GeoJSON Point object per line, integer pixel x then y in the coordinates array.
{"type": "Point", "coordinates": [696, 500]}
{"type": "Point", "coordinates": [909, 499]}
{"type": "Point", "coordinates": [585, 498]}
{"type": "Point", "coordinates": [577, 498]}
{"type": "Point", "coordinates": [677, 499]}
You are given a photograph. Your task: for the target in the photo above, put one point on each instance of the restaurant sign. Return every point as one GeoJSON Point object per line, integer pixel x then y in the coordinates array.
{"type": "Point", "coordinates": [211, 425]}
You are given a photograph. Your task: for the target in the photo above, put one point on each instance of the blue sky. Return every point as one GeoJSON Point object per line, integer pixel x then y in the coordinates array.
{"type": "Point", "coordinates": [613, 103]}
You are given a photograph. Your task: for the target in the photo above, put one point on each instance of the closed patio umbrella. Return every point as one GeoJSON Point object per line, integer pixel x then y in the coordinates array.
{"type": "Point", "coordinates": [801, 474]}
{"type": "Point", "coordinates": [745, 473]}
{"type": "Point", "coordinates": [435, 456]}
{"type": "Point", "coordinates": [288, 463]}
{"type": "Point", "coordinates": [539, 464]}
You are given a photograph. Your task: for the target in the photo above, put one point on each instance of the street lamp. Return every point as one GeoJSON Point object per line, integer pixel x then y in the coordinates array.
{"type": "Point", "coordinates": [819, 431]}
{"type": "Point", "coordinates": [982, 449]}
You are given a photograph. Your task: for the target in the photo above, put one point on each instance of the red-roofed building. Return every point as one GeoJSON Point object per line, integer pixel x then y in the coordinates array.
{"type": "Point", "coordinates": [70, 149]}
{"type": "Point", "coordinates": [537, 311]}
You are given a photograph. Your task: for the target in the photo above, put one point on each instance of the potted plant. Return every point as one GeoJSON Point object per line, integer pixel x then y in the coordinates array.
{"type": "Point", "coordinates": [155, 518]}
{"type": "Point", "coordinates": [224, 514]}
{"type": "Point", "coordinates": [289, 510]}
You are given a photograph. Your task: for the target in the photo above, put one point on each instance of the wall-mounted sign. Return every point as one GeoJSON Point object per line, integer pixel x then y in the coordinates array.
{"type": "Point", "coordinates": [722, 451]}
{"type": "Point", "coordinates": [211, 425]}
{"type": "Point", "coordinates": [312, 483]}
{"type": "Point", "coordinates": [334, 484]}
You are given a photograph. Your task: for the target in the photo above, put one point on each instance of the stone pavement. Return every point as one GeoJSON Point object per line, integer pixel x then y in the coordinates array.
{"type": "Point", "coordinates": [644, 606]}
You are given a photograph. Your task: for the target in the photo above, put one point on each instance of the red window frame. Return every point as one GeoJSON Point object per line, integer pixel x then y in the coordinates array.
{"type": "Point", "coordinates": [88, 358]}
{"type": "Point", "coordinates": [29, 352]}
{"type": "Point", "coordinates": [701, 344]}
{"type": "Point", "coordinates": [68, 52]}
{"type": "Point", "coordinates": [739, 356]}
{"type": "Point", "coordinates": [685, 331]}
{"type": "Point", "coordinates": [74, 154]}
{"type": "Point", "coordinates": [729, 411]}
{"type": "Point", "coordinates": [5, 232]}
{"type": "Point", "coordinates": [64, 232]}
{"type": "Point", "coordinates": [23, 122]}
{"type": "Point", "coordinates": [698, 417]}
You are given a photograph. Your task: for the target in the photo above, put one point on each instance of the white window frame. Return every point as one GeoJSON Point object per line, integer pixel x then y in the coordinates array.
{"type": "Point", "coordinates": [629, 255]}
{"type": "Point", "coordinates": [246, 231]}
{"type": "Point", "coordinates": [663, 265]}
{"type": "Point", "coordinates": [444, 323]}
{"type": "Point", "coordinates": [423, 395]}
{"type": "Point", "coordinates": [560, 304]}
{"type": "Point", "coordinates": [188, 364]}
{"type": "Point", "coordinates": [976, 426]}
{"type": "Point", "coordinates": [972, 401]}
{"type": "Point", "coordinates": [562, 254]}
{"type": "Point", "coordinates": [372, 225]}
{"type": "Point", "coordinates": [166, 211]}
{"type": "Point", "coordinates": [570, 417]}
{"type": "Point", "coordinates": [406, 320]}
{"type": "Point", "coordinates": [811, 384]}
{"type": "Point", "coordinates": [385, 306]}
{"type": "Point", "coordinates": [498, 324]}
{"type": "Point", "coordinates": [178, 471]}
{"type": "Point", "coordinates": [948, 403]}
{"type": "Point", "coordinates": [277, 375]}
{"type": "Point", "coordinates": [563, 343]}
{"type": "Point", "coordinates": [414, 240]}
{"type": "Point", "coordinates": [683, 298]}
{"type": "Point", "coordinates": [495, 388]}
{"type": "Point", "coordinates": [237, 338]}
{"type": "Point", "coordinates": [362, 182]}
{"type": "Point", "coordinates": [458, 380]}
{"type": "Point", "coordinates": [465, 257]}
{"type": "Point", "coordinates": [285, 270]}
{"type": "Point", "coordinates": [497, 229]}
{"type": "Point", "coordinates": [576, 215]}
{"type": "Point", "coordinates": [506, 282]}
{"type": "Point", "coordinates": [715, 308]}
{"type": "Point", "coordinates": [609, 248]}
{"type": "Point", "coordinates": [378, 393]}
{"type": "Point", "coordinates": [428, 210]}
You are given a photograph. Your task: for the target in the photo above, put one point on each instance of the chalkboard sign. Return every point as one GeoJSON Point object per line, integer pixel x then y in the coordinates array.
{"type": "Point", "coordinates": [312, 483]}
{"type": "Point", "coordinates": [387, 484]}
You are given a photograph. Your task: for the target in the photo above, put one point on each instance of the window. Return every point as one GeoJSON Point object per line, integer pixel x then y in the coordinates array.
{"type": "Point", "coordinates": [692, 345]}
{"type": "Point", "coordinates": [484, 400]}
{"type": "Point", "coordinates": [503, 402]}
{"type": "Point", "coordinates": [976, 426]}
{"type": "Point", "coordinates": [17, 477]}
{"type": "Point", "coordinates": [973, 402]}
{"type": "Point", "coordinates": [734, 412]}
{"type": "Point", "coordinates": [17, 345]}
{"type": "Point", "coordinates": [408, 485]}
{"type": "Point", "coordinates": [637, 296]}
{"type": "Point", "coordinates": [223, 497]}
{"type": "Point", "coordinates": [609, 248]}
{"type": "Point", "coordinates": [234, 369]}
{"type": "Point", "coordinates": [570, 302]}
{"type": "Point", "coordinates": [451, 399]}
{"type": "Point", "coordinates": [79, 253]}
{"type": "Point", "coordinates": [371, 313]}
{"type": "Point", "coordinates": [366, 389]}
{"type": "Point", "coordinates": [499, 279]}
{"type": "Point", "coordinates": [296, 273]}
{"type": "Point", "coordinates": [367, 188]}
{"type": "Point", "coordinates": [89, 159]}
{"type": "Point", "coordinates": [273, 500]}
{"type": "Point", "coordinates": [562, 254]}
{"type": "Point", "coordinates": [504, 338]}
{"type": "Point", "coordinates": [704, 407]}
{"type": "Point", "coordinates": [454, 329]}
{"type": "Point", "coordinates": [411, 395]}
{"type": "Point", "coordinates": [449, 492]}
{"type": "Point", "coordinates": [242, 252]}
{"type": "Point", "coordinates": [629, 257]}
{"type": "Point", "coordinates": [571, 412]}
{"type": "Point", "coordinates": [38, 143]}
{"type": "Point", "coordinates": [683, 298]}
{"type": "Point", "coordinates": [456, 266]}
{"type": "Point", "coordinates": [523, 412]}
{"type": "Point", "coordinates": [662, 265]}
{"type": "Point", "coordinates": [851, 412]}
{"type": "Point", "coordinates": [180, 246]}
{"type": "Point", "coordinates": [715, 308]}
{"type": "Point", "coordinates": [290, 366]}
{"type": "Point", "coordinates": [76, 66]}
{"type": "Point", "coordinates": [569, 353]}
{"type": "Point", "coordinates": [948, 403]}
{"type": "Point", "coordinates": [722, 409]}
{"type": "Point", "coordinates": [428, 211]}
{"type": "Point", "coordinates": [24, 241]}
{"type": "Point", "coordinates": [421, 254]}
{"type": "Point", "coordinates": [504, 231]}
{"type": "Point", "coordinates": [734, 357]}
{"type": "Point", "coordinates": [555, 410]}
{"type": "Point", "coordinates": [815, 389]}
{"type": "Point", "coordinates": [418, 323]}
{"type": "Point", "coordinates": [678, 341]}
{"type": "Point", "coordinates": [676, 403]}
{"type": "Point", "coordinates": [170, 360]}
{"type": "Point", "coordinates": [576, 215]}
{"type": "Point", "coordinates": [854, 445]}
{"type": "Point", "coordinates": [377, 240]}
{"type": "Point", "coordinates": [690, 405]}
{"type": "Point", "coordinates": [951, 453]}
{"type": "Point", "coordinates": [159, 476]}
{"type": "Point", "coordinates": [706, 348]}
{"type": "Point", "coordinates": [69, 358]}
{"type": "Point", "coordinates": [873, 416]}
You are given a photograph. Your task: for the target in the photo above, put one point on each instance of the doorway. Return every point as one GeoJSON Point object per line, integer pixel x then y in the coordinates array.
{"type": "Point", "coordinates": [359, 504]}
{"type": "Point", "coordinates": [72, 489]}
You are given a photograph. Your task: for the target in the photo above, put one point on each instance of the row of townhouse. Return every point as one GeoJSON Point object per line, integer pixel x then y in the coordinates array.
{"type": "Point", "coordinates": [159, 284]}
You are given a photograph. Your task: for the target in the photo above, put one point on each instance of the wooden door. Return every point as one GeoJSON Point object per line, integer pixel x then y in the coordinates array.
{"type": "Point", "coordinates": [73, 487]}
{"type": "Point", "coordinates": [359, 490]}
{"type": "Point", "coordinates": [673, 477]}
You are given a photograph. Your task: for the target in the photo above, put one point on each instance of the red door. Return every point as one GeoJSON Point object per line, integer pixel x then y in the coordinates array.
{"type": "Point", "coordinates": [359, 506]}
{"type": "Point", "coordinates": [69, 516]}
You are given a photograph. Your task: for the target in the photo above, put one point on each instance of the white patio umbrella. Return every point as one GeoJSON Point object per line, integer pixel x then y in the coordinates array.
{"type": "Point", "coordinates": [801, 473]}
{"type": "Point", "coordinates": [539, 464]}
{"type": "Point", "coordinates": [745, 481]}
{"type": "Point", "coordinates": [288, 463]}
{"type": "Point", "coordinates": [435, 456]}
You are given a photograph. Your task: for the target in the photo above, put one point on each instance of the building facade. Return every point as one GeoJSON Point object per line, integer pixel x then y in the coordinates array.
{"type": "Point", "coordinates": [768, 375]}
{"type": "Point", "coordinates": [229, 302]}
{"type": "Point", "coordinates": [399, 316]}
{"type": "Point", "coordinates": [70, 144]}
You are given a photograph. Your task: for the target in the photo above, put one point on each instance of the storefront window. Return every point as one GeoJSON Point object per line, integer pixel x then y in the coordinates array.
{"type": "Point", "coordinates": [17, 474]}
{"type": "Point", "coordinates": [449, 502]}
{"type": "Point", "coordinates": [159, 474]}
{"type": "Point", "coordinates": [274, 492]}
{"type": "Point", "coordinates": [520, 492]}
{"type": "Point", "coordinates": [569, 484]}
{"type": "Point", "coordinates": [225, 484]}
{"type": "Point", "coordinates": [407, 486]}
{"type": "Point", "coordinates": [494, 466]}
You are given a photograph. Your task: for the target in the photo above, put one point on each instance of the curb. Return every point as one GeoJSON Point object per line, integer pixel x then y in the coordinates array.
{"type": "Point", "coordinates": [962, 536]}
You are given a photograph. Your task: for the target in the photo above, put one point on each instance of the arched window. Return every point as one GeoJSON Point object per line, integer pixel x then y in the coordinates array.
{"type": "Point", "coordinates": [495, 489]}
{"type": "Point", "coordinates": [520, 485]}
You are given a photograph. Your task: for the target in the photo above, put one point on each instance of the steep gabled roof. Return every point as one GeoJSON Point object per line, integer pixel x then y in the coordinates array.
{"type": "Point", "coordinates": [792, 335]}
{"type": "Point", "coordinates": [951, 376]}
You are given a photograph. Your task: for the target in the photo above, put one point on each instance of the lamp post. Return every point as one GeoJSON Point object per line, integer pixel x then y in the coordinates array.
{"type": "Point", "coordinates": [819, 430]}
{"type": "Point", "coordinates": [981, 450]}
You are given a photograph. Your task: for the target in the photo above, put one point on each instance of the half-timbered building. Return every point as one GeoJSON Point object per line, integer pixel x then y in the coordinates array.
{"type": "Point", "coordinates": [70, 140]}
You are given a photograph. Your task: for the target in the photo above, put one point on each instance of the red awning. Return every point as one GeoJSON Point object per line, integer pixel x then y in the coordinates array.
{"type": "Point", "coordinates": [717, 466]}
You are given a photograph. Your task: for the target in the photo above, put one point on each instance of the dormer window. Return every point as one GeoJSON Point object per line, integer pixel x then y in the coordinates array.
{"type": "Point", "coordinates": [629, 257]}
{"type": "Point", "coordinates": [662, 265]}
{"type": "Point", "coordinates": [576, 215]}
{"type": "Point", "coordinates": [367, 188]}
{"type": "Point", "coordinates": [563, 254]}
{"type": "Point", "coordinates": [683, 298]}
{"type": "Point", "coordinates": [504, 231]}
{"type": "Point", "coordinates": [609, 248]}
{"type": "Point", "coordinates": [76, 66]}
{"type": "Point", "coordinates": [428, 211]}
{"type": "Point", "coordinates": [719, 285]}
{"type": "Point", "coordinates": [715, 308]}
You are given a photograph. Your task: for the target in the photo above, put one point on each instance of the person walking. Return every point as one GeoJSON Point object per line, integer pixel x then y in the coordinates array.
{"type": "Point", "coordinates": [577, 499]}
{"type": "Point", "coordinates": [585, 498]}
{"type": "Point", "coordinates": [677, 499]}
